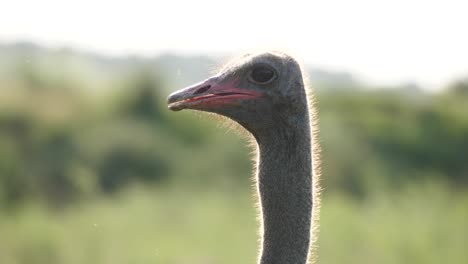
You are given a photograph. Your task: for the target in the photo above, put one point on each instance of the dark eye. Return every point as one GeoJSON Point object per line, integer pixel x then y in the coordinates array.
{"type": "Point", "coordinates": [262, 75]}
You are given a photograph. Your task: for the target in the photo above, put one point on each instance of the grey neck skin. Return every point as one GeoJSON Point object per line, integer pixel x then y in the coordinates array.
{"type": "Point", "coordinates": [285, 190]}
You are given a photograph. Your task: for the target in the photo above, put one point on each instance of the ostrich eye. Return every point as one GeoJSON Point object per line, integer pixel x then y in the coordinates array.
{"type": "Point", "coordinates": [262, 75]}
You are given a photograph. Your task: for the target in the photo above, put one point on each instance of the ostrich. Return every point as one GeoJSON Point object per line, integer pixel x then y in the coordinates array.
{"type": "Point", "coordinates": [265, 94]}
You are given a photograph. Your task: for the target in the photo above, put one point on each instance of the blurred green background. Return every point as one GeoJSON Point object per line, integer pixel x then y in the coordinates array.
{"type": "Point", "coordinates": [94, 169]}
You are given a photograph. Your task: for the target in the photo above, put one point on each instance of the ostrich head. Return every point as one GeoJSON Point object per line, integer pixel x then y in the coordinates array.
{"type": "Point", "coordinates": [257, 91]}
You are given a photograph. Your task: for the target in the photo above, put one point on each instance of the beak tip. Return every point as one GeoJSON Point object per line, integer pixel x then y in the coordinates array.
{"type": "Point", "coordinates": [175, 107]}
{"type": "Point", "coordinates": [170, 98]}
{"type": "Point", "coordinates": [176, 99]}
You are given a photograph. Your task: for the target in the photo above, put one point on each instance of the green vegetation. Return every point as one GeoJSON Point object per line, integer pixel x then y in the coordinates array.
{"type": "Point", "coordinates": [93, 169]}
{"type": "Point", "coordinates": [420, 224]}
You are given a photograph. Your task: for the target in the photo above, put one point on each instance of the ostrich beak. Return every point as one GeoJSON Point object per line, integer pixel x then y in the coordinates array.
{"type": "Point", "coordinates": [211, 92]}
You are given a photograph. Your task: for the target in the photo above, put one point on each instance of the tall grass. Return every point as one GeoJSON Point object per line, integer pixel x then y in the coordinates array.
{"type": "Point", "coordinates": [424, 223]}
{"type": "Point", "coordinates": [421, 224]}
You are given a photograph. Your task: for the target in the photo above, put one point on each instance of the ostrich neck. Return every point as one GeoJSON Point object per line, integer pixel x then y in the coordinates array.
{"type": "Point", "coordinates": [285, 190]}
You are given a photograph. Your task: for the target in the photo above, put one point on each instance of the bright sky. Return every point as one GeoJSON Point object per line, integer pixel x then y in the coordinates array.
{"type": "Point", "coordinates": [380, 41]}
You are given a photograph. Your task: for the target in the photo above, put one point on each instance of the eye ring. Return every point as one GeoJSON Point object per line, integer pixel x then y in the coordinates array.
{"type": "Point", "coordinates": [262, 74]}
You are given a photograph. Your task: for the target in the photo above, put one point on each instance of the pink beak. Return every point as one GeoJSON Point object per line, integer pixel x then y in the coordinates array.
{"type": "Point", "coordinates": [209, 93]}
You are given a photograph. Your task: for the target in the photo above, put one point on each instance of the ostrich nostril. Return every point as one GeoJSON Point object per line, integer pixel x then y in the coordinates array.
{"type": "Point", "coordinates": [202, 89]}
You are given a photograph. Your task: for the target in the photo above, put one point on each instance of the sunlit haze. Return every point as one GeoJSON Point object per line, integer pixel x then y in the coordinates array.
{"type": "Point", "coordinates": [382, 42]}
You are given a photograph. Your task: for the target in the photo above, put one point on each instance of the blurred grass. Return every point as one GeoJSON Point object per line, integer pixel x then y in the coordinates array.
{"type": "Point", "coordinates": [423, 223]}
{"type": "Point", "coordinates": [138, 226]}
